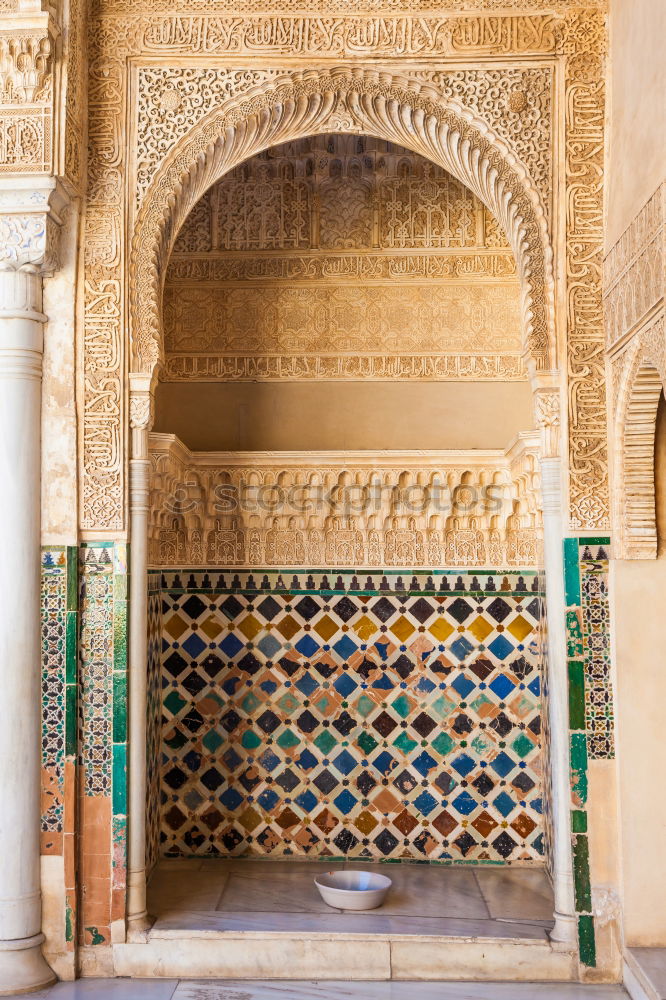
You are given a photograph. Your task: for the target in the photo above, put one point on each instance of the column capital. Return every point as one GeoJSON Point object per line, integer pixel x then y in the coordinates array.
{"type": "Point", "coordinates": [31, 213]}
{"type": "Point", "coordinates": [547, 418]}
{"type": "Point", "coordinates": [142, 400]}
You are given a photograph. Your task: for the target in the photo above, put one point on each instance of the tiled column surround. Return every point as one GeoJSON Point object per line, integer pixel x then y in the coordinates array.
{"type": "Point", "coordinates": [60, 601]}
{"type": "Point", "coordinates": [591, 718]}
{"type": "Point", "coordinates": [103, 741]}
{"type": "Point", "coordinates": [385, 714]}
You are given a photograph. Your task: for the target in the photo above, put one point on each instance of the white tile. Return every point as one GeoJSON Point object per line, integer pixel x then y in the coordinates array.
{"type": "Point", "coordinates": [279, 892]}
{"type": "Point", "coordinates": [516, 893]}
{"type": "Point", "coordinates": [240, 990]}
{"type": "Point", "coordinates": [187, 889]}
{"type": "Point", "coordinates": [652, 962]}
{"type": "Point", "coordinates": [262, 867]}
{"type": "Point", "coordinates": [114, 989]}
{"type": "Point", "coordinates": [433, 892]}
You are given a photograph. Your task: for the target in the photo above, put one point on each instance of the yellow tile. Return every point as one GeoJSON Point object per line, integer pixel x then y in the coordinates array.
{"type": "Point", "coordinates": [326, 628]}
{"type": "Point", "coordinates": [250, 627]}
{"type": "Point", "coordinates": [402, 629]}
{"type": "Point", "coordinates": [366, 822]}
{"type": "Point", "coordinates": [441, 629]}
{"type": "Point", "coordinates": [250, 819]}
{"type": "Point", "coordinates": [364, 628]}
{"type": "Point", "coordinates": [520, 627]}
{"type": "Point", "coordinates": [480, 628]}
{"type": "Point", "coordinates": [211, 627]}
{"type": "Point", "coordinates": [175, 626]}
{"type": "Point", "coordinates": [288, 627]}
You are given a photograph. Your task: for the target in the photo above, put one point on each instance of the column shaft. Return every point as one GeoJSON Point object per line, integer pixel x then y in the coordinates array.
{"type": "Point", "coordinates": [138, 665]}
{"type": "Point", "coordinates": [22, 966]}
{"type": "Point", "coordinates": [563, 934]}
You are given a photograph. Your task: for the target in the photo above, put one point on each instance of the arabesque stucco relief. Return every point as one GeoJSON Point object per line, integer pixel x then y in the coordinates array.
{"type": "Point", "coordinates": [518, 159]}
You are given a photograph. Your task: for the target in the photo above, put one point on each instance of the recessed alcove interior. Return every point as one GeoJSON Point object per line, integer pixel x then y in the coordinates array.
{"type": "Point", "coordinates": [345, 596]}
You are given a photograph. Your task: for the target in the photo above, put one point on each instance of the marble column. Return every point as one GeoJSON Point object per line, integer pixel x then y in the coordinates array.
{"type": "Point", "coordinates": [563, 936]}
{"type": "Point", "coordinates": [22, 966]}
{"type": "Point", "coordinates": [140, 418]}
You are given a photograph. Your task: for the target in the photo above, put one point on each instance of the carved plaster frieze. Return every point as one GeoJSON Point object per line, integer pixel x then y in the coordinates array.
{"type": "Point", "coordinates": [225, 266]}
{"type": "Point", "coordinates": [313, 367]}
{"type": "Point", "coordinates": [367, 8]}
{"type": "Point", "coordinates": [634, 280]}
{"type": "Point", "coordinates": [27, 43]}
{"type": "Point", "coordinates": [25, 64]}
{"type": "Point", "coordinates": [340, 509]}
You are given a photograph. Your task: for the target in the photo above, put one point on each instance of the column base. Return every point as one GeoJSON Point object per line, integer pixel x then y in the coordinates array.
{"type": "Point", "coordinates": [23, 968]}
{"type": "Point", "coordinates": [564, 935]}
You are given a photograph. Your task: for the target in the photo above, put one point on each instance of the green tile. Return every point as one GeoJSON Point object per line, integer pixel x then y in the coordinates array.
{"type": "Point", "coordinates": [71, 719]}
{"type": "Point", "coordinates": [249, 740]}
{"type": "Point", "coordinates": [404, 743]}
{"type": "Point", "coordinates": [120, 635]}
{"type": "Point", "coordinates": [595, 540]}
{"type": "Point", "coordinates": [119, 796]}
{"type": "Point", "coordinates": [120, 587]}
{"type": "Point", "coordinates": [367, 742]}
{"type": "Point", "coordinates": [72, 578]}
{"type": "Point", "coordinates": [174, 703]}
{"type": "Point", "coordinates": [443, 744]}
{"type": "Point", "coordinates": [522, 745]}
{"type": "Point", "coordinates": [325, 741]}
{"type": "Point", "coordinates": [574, 633]}
{"type": "Point", "coordinates": [287, 740]}
{"type": "Point", "coordinates": [578, 821]}
{"type": "Point", "coordinates": [119, 707]}
{"type": "Point", "coordinates": [578, 751]}
{"type": "Point", "coordinates": [576, 695]}
{"type": "Point", "coordinates": [581, 872]}
{"type": "Point", "coordinates": [586, 943]}
{"type": "Point", "coordinates": [71, 646]}
{"type": "Point", "coordinates": [571, 572]}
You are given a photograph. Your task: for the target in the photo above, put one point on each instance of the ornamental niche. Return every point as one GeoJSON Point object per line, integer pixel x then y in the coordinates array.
{"type": "Point", "coordinates": [491, 128]}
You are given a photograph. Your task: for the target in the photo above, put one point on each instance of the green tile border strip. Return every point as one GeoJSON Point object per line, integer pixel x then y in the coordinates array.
{"type": "Point", "coordinates": [587, 614]}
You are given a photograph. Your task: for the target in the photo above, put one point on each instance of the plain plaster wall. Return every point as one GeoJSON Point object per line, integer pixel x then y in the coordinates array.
{"type": "Point", "coordinates": [325, 416]}
{"type": "Point", "coordinates": [637, 110]}
{"type": "Point", "coordinates": [640, 603]}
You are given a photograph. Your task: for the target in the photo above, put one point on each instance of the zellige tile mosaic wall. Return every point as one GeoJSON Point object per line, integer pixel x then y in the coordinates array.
{"type": "Point", "coordinates": [59, 630]}
{"type": "Point", "coordinates": [153, 720]}
{"type": "Point", "coordinates": [352, 715]}
{"type": "Point", "coordinates": [103, 582]}
{"type": "Point", "coordinates": [591, 720]}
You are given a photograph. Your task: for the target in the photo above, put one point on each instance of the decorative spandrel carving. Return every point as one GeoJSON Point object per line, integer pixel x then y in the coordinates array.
{"type": "Point", "coordinates": [634, 299]}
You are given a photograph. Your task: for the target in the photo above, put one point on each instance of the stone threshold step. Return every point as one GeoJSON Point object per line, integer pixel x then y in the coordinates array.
{"type": "Point", "coordinates": [351, 957]}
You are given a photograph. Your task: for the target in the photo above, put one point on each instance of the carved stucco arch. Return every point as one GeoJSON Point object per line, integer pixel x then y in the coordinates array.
{"type": "Point", "coordinates": [640, 389]}
{"type": "Point", "coordinates": [354, 101]}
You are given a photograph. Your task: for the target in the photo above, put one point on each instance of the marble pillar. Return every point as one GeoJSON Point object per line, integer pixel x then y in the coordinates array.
{"type": "Point", "coordinates": [140, 419]}
{"type": "Point", "coordinates": [563, 934]}
{"type": "Point", "coordinates": [22, 966]}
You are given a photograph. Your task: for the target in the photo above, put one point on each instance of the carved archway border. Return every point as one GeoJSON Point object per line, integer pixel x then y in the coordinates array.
{"type": "Point", "coordinates": [354, 101]}
{"type": "Point", "coordinates": [639, 383]}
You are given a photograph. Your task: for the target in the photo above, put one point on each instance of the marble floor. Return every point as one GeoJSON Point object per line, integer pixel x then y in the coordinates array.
{"type": "Point", "coordinates": [167, 989]}
{"type": "Point", "coordinates": [281, 896]}
{"type": "Point", "coordinates": [652, 965]}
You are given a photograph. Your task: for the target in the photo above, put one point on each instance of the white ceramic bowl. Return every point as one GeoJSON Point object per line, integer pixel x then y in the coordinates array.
{"type": "Point", "coordinates": [353, 890]}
